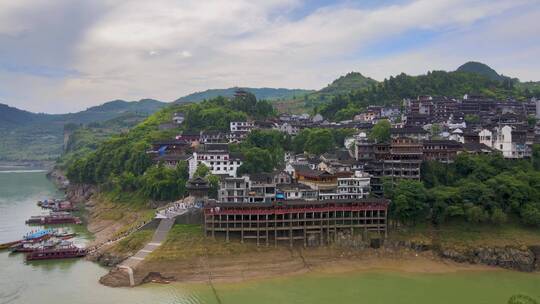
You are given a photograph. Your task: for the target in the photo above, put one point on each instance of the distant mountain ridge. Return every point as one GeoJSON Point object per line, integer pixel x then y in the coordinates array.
{"type": "Point", "coordinates": [38, 136]}
{"type": "Point", "coordinates": [482, 69]}
{"type": "Point", "coordinates": [260, 93]}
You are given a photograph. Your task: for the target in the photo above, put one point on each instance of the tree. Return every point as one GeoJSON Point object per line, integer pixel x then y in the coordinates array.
{"type": "Point", "coordinates": [256, 160]}
{"type": "Point", "coordinates": [531, 121]}
{"type": "Point", "coordinates": [530, 214]}
{"type": "Point", "coordinates": [498, 216]}
{"type": "Point", "coordinates": [319, 141]}
{"type": "Point", "coordinates": [201, 171]}
{"type": "Point", "coordinates": [381, 131]}
{"type": "Point", "coordinates": [475, 214]}
{"type": "Point", "coordinates": [409, 204]}
{"type": "Point", "coordinates": [472, 119]}
{"type": "Point", "coordinates": [535, 159]}
{"type": "Point", "coordinates": [436, 130]}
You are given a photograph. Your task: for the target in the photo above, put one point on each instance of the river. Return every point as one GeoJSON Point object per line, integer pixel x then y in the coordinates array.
{"type": "Point", "coordinates": [75, 281]}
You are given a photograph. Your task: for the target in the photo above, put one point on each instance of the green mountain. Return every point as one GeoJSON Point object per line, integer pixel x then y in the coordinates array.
{"type": "Point", "coordinates": [436, 83]}
{"type": "Point", "coordinates": [481, 69]}
{"type": "Point", "coordinates": [37, 136]}
{"type": "Point", "coordinates": [260, 93]}
{"type": "Point", "coordinates": [351, 82]}
{"type": "Point", "coordinates": [345, 84]}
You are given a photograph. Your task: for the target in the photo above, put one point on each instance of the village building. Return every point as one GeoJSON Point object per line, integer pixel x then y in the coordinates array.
{"type": "Point", "coordinates": [310, 223]}
{"type": "Point", "coordinates": [178, 118]}
{"type": "Point", "coordinates": [241, 126]}
{"type": "Point", "coordinates": [354, 187]}
{"type": "Point", "coordinates": [217, 158]}
{"type": "Point", "coordinates": [444, 151]}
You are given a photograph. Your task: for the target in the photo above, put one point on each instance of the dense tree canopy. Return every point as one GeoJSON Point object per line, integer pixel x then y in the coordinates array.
{"type": "Point", "coordinates": [318, 140]}
{"type": "Point", "coordinates": [483, 188]}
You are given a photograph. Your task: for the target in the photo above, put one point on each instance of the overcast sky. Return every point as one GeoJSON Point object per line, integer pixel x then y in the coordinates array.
{"type": "Point", "coordinates": [65, 55]}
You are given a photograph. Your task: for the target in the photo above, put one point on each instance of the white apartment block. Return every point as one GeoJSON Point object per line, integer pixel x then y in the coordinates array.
{"type": "Point", "coordinates": [355, 187]}
{"type": "Point", "coordinates": [220, 162]}
{"type": "Point", "coordinates": [241, 126]}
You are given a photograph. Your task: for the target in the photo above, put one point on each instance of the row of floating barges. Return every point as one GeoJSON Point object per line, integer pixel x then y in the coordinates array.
{"type": "Point", "coordinates": [47, 244]}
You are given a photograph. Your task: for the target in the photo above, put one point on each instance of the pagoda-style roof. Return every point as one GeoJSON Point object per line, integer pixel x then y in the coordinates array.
{"type": "Point", "coordinates": [197, 183]}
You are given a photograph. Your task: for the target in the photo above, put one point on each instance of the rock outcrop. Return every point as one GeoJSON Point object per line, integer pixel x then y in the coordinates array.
{"type": "Point", "coordinates": [522, 259]}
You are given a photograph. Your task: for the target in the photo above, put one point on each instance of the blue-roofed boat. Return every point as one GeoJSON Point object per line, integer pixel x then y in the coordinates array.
{"type": "Point", "coordinates": [38, 235]}
{"type": "Point", "coordinates": [31, 237]}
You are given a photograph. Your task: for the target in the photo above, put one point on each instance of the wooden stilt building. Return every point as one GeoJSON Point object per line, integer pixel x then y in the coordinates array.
{"type": "Point", "coordinates": [296, 221]}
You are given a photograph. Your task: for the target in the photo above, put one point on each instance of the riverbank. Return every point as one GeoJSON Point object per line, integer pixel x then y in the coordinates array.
{"type": "Point", "coordinates": [188, 256]}
{"type": "Point", "coordinates": [281, 262]}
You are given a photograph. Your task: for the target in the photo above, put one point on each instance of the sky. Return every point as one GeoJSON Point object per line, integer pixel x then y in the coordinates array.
{"type": "Point", "coordinates": [60, 56]}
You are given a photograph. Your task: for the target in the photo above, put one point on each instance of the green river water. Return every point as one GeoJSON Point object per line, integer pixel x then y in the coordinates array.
{"type": "Point", "coordinates": [76, 281]}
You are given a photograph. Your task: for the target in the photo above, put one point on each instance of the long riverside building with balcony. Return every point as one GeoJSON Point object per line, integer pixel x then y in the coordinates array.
{"type": "Point", "coordinates": [296, 221]}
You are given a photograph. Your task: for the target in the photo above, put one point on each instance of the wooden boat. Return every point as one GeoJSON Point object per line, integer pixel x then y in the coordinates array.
{"type": "Point", "coordinates": [8, 244]}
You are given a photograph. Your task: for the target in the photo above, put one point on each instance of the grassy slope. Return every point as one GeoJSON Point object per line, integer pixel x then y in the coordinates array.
{"type": "Point", "coordinates": [188, 241]}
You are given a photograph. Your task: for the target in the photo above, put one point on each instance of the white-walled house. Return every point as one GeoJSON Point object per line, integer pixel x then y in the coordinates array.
{"type": "Point", "coordinates": [217, 158]}
{"type": "Point", "coordinates": [504, 139]}
{"type": "Point", "coordinates": [486, 137]}
{"type": "Point", "coordinates": [241, 126]}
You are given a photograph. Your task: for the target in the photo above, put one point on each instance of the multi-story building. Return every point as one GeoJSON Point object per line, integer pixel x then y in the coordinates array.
{"type": "Point", "coordinates": [241, 126]}
{"type": "Point", "coordinates": [254, 188]}
{"type": "Point", "coordinates": [294, 191]}
{"type": "Point", "coordinates": [354, 187]}
{"type": "Point", "coordinates": [444, 151]}
{"type": "Point", "coordinates": [512, 142]}
{"type": "Point", "coordinates": [217, 158]}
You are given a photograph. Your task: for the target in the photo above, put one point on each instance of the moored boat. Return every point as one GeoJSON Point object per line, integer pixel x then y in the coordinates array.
{"type": "Point", "coordinates": [60, 252]}
{"type": "Point", "coordinates": [31, 237]}
{"type": "Point", "coordinates": [31, 247]}
{"type": "Point", "coordinates": [8, 244]}
{"type": "Point", "coordinates": [54, 218]}
{"type": "Point", "coordinates": [64, 234]}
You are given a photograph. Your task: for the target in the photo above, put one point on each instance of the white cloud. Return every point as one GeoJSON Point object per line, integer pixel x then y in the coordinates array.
{"type": "Point", "coordinates": [168, 48]}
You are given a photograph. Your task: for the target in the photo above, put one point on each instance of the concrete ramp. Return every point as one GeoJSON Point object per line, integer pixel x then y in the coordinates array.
{"type": "Point", "coordinates": [159, 237]}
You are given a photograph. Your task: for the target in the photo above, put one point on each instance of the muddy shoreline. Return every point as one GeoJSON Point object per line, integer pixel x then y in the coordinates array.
{"type": "Point", "coordinates": [282, 262]}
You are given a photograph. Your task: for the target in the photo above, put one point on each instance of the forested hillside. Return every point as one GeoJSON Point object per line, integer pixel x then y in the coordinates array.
{"type": "Point", "coordinates": [437, 83]}
{"type": "Point", "coordinates": [121, 164]}
{"type": "Point", "coordinates": [32, 136]}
